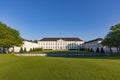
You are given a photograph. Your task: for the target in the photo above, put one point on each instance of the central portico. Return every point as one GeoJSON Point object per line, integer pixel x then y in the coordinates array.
{"type": "Point", "coordinates": [60, 43]}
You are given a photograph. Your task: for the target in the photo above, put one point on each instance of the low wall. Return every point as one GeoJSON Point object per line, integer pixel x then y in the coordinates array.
{"type": "Point", "coordinates": [63, 54]}
{"type": "Point", "coordinates": [30, 54]}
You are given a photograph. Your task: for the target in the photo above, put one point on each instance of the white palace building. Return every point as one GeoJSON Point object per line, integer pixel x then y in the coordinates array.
{"type": "Point", "coordinates": [52, 44]}
{"type": "Point", "coordinates": [61, 43]}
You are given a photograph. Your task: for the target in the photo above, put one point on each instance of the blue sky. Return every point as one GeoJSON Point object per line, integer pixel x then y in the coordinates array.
{"type": "Point", "coordinates": [35, 19]}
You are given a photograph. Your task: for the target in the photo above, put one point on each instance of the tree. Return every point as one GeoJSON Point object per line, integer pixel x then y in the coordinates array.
{"type": "Point", "coordinates": [112, 39]}
{"type": "Point", "coordinates": [97, 50]}
{"type": "Point", "coordinates": [88, 49]}
{"type": "Point", "coordinates": [91, 50]}
{"type": "Point", "coordinates": [102, 50]}
{"type": "Point", "coordinates": [36, 41]}
{"type": "Point", "coordinates": [21, 50]}
{"type": "Point", "coordinates": [108, 41]}
{"type": "Point", "coordinates": [9, 37]}
{"type": "Point", "coordinates": [25, 50]}
{"type": "Point", "coordinates": [31, 50]}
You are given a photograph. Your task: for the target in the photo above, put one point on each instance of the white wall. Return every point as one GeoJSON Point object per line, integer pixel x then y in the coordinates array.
{"type": "Point", "coordinates": [96, 44]}
{"type": "Point", "coordinates": [1, 49]}
{"type": "Point", "coordinates": [26, 44]}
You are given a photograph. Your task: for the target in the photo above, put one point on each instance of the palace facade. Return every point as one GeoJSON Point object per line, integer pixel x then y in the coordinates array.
{"type": "Point", "coordinates": [60, 43]}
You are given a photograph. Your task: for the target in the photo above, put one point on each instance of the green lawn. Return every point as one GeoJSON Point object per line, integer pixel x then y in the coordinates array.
{"type": "Point", "coordinates": [59, 68]}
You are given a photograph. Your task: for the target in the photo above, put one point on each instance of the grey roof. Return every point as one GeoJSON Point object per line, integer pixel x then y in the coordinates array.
{"type": "Point", "coordinates": [65, 39]}
{"type": "Point", "coordinates": [98, 39]}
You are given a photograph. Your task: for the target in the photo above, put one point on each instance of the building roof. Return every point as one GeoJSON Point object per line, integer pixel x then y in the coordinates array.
{"type": "Point", "coordinates": [65, 39]}
{"type": "Point", "coordinates": [29, 40]}
{"type": "Point", "coordinates": [98, 39]}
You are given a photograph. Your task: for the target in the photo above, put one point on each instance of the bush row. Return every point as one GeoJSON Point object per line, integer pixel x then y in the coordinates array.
{"type": "Point", "coordinates": [91, 50]}
{"type": "Point", "coordinates": [31, 50]}
{"type": "Point", "coordinates": [35, 49]}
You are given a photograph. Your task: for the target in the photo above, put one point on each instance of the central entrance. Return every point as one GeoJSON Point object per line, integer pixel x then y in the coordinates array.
{"type": "Point", "coordinates": [60, 48]}
{"type": "Point", "coordinates": [60, 44]}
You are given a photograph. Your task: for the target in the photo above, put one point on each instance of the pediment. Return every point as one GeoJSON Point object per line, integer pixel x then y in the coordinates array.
{"type": "Point", "coordinates": [60, 40]}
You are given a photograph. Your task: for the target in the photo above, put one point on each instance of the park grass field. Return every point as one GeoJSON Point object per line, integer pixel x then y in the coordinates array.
{"type": "Point", "coordinates": [59, 68]}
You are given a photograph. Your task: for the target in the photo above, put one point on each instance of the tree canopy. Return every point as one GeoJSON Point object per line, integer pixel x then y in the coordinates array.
{"type": "Point", "coordinates": [112, 39]}
{"type": "Point", "coordinates": [9, 37]}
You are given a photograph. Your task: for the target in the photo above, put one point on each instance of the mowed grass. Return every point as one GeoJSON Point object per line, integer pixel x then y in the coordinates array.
{"type": "Point", "coordinates": [59, 68]}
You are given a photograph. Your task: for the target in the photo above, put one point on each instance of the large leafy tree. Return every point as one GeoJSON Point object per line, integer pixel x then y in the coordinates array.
{"type": "Point", "coordinates": [9, 37]}
{"type": "Point", "coordinates": [112, 39]}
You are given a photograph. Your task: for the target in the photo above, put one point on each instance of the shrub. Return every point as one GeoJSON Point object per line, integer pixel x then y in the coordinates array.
{"type": "Point", "coordinates": [97, 50]}
{"type": "Point", "coordinates": [86, 49]}
{"type": "Point", "coordinates": [36, 49]}
{"type": "Point", "coordinates": [31, 50]}
{"type": "Point", "coordinates": [102, 50]}
{"type": "Point", "coordinates": [91, 50]}
{"type": "Point", "coordinates": [25, 50]}
{"type": "Point", "coordinates": [82, 49]}
{"type": "Point", "coordinates": [21, 50]}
